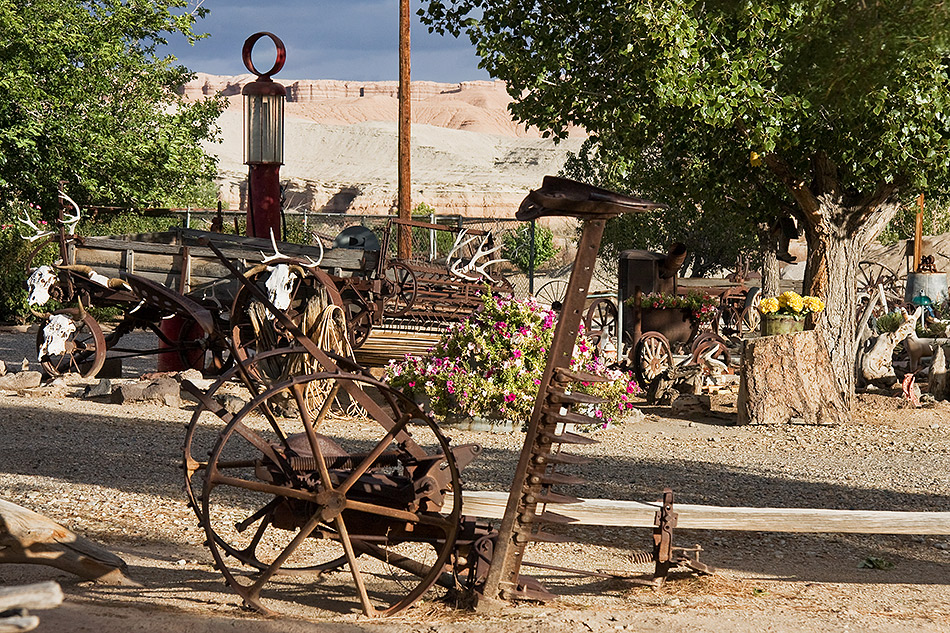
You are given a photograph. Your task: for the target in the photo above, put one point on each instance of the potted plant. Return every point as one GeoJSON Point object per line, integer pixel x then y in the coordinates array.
{"type": "Point", "coordinates": [786, 313]}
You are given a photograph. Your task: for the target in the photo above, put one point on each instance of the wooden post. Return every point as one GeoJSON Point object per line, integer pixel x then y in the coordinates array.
{"type": "Point", "coordinates": [918, 233]}
{"type": "Point", "coordinates": [404, 195]}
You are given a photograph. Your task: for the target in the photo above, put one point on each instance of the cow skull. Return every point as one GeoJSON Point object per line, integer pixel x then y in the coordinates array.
{"type": "Point", "coordinates": [55, 335]}
{"type": "Point", "coordinates": [279, 285]}
{"type": "Point", "coordinates": [40, 282]}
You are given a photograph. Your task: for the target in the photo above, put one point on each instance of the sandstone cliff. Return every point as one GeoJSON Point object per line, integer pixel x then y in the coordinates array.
{"type": "Point", "coordinates": [468, 156]}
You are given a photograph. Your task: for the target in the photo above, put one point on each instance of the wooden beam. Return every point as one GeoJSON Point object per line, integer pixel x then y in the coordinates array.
{"type": "Point", "coordinates": [610, 512]}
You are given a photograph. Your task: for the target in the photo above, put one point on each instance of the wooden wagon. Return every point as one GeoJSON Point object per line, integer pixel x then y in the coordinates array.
{"type": "Point", "coordinates": [150, 277]}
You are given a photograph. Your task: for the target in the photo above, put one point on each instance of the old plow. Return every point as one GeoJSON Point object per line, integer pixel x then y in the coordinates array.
{"type": "Point", "coordinates": [326, 469]}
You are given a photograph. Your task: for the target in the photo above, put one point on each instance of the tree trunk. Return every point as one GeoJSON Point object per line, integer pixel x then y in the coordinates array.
{"type": "Point", "coordinates": [838, 225]}
{"type": "Point", "coordinates": [831, 272]}
{"type": "Point", "coordinates": [770, 270]}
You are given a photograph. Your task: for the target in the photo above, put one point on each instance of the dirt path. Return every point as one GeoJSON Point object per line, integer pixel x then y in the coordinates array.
{"type": "Point", "coordinates": [111, 473]}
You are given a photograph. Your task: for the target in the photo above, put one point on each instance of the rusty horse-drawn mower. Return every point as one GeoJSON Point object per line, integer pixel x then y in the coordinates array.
{"type": "Point", "coordinates": [333, 474]}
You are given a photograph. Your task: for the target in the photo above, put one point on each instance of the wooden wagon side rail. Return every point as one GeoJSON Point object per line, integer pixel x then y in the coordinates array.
{"type": "Point", "coordinates": [611, 512]}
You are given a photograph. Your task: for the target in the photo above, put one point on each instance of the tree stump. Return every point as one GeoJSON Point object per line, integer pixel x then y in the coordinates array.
{"type": "Point", "coordinates": [789, 376]}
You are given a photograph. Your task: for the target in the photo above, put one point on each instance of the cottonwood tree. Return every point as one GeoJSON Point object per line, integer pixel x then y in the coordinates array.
{"type": "Point", "coordinates": [88, 97]}
{"type": "Point", "coordinates": [841, 103]}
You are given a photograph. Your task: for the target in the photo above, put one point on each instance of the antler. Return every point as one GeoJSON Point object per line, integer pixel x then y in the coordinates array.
{"type": "Point", "coordinates": [40, 234]}
{"type": "Point", "coordinates": [267, 259]}
{"type": "Point", "coordinates": [70, 221]}
{"type": "Point", "coordinates": [472, 265]}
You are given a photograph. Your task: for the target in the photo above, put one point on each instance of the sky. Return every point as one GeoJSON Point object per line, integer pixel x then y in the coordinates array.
{"type": "Point", "coordinates": [325, 39]}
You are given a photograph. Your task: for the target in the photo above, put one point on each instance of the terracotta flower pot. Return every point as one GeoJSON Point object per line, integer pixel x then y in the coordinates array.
{"type": "Point", "coordinates": [778, 324]}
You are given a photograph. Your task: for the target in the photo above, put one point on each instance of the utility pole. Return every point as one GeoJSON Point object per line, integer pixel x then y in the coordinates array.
{"type": "Point", "coordinates": [404, 195]}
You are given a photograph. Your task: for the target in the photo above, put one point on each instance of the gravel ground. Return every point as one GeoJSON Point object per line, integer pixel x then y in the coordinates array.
{"type": "Point", "coordinates": [112, 473]}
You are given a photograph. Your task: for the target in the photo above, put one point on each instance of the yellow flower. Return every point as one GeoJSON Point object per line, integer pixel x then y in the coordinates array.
{"type": "Point", "coordinates": [814, 304]}
{"type": "Point", "coordinates": [768, 305]}
{"type": "Point", "coordinates": [791, 300]}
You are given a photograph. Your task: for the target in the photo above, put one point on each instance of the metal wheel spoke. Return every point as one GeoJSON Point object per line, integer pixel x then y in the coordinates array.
{"type": "Point", "coordinates": [275, 566]}
{"type": "Point", "coordinates": [215, 479]}
{"type": "Point", "coordinates": [300, 397]}
{"type": "Point", "coordinates": [368, 608]}
{"type": "Point", "coordinates": [378, 450]}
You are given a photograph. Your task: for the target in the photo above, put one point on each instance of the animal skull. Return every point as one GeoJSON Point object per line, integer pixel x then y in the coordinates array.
{"type": "Point", "coordinates": [40, 282]}
{"type": "Point", "coordinates": [279, 285]}
{"type": "Point", "coordinates": [55, 335]}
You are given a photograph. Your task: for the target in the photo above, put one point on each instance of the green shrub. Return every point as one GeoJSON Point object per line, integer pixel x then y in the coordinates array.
{"type": "Point", "coordinates": [890, 322]}
{"type": "Point", "coordinates": [518, 246]}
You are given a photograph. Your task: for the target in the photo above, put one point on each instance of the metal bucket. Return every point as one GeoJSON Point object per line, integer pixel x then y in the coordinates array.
{"type": "Point", "coordinates": [772, 325]}
{"type": "Point", "coordinates": [931, 285]}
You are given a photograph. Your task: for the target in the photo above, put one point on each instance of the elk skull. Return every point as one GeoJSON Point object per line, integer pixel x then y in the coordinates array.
{"type": "Point", "coordinates": [55, 335]}
{"type": "Point", "coordinates": [40, 282]}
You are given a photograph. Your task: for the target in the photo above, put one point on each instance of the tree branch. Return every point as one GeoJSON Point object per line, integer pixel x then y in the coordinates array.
{"type": "Point", "coordinates": [806, 199]}
{"type": "Point", "coordinates": [875, 211]}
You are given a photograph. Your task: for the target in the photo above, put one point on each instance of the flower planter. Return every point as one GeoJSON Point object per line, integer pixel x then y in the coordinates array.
{"type": "Point", "coordinates": [478, 423]}
{"type": "Point", "coordinates": [676, 324]}
{"type": "Point", "coordinates": [773, 324]}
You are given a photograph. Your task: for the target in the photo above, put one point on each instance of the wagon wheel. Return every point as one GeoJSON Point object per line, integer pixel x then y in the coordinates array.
{"type": "Point", "coordinates": [85, 348]}
{"type": "Point", "coordinates": [872, 274]}
{"type": "Point", "coordinates": [600, 322]}
{"type": "Point", "coordinates": [552, 294]}
{"type": "Point", "coordinates": [750, 321]}
{"type": "Point", "coordinates": [715, 349]}
{"type": "Point", "coordinates": [202, 433]}
{"type": "Point", "coordinates": [652, 356]}
{"type": "Point", "coordinates": [253, 328]}
{"type": "Point", "coordinates": [359, 322]}
{"type": "Point", "coordinates": [402, 289]}
{"type": "Point", "coordinates": [701, 338]}
{"type": "Point", "coordinates": [602, 317]}
{"type": "Point", "coordinates": [205, 352]}
{"type": "Point", "coordinates": [291, 500]}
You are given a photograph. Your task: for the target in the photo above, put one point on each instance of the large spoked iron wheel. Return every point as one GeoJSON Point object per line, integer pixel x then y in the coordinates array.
{"type": "Point", "coordinates": [652, 356]}
{"type": "Point", "coordinates": [401, 289]}
{"type": "Point", "coordinates": [291, 495]}
{"type": "Point", "coordinates": [85, 348]}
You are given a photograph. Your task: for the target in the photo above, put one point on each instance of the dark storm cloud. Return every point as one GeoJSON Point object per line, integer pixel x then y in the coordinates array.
{"type": "Point", "coordinates": [325, 39]}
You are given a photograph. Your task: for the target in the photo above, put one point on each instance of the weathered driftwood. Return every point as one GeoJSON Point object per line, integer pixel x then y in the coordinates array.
{"type": "Point", "coordinates": [16, 601]}
{"type": "Point", "coordinates": [937, 378]}
{"type": "Point", "coordinates": [29, 537]}
{"type": "Point", "coordinates": [613, 512]}
{"type": "Point", "coordinates": [788, 376]}
{"type": "Point", "coordinates": [877, 354]}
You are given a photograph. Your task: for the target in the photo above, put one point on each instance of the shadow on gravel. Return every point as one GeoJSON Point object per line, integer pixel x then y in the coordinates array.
{"type": "Point", "coordinates": [143, 456]}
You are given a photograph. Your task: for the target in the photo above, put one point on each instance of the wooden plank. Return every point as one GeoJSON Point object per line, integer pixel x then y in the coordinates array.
{"type": "Point", "coordinates": [234, 246]}
{"type": "Point", "coordinates": [610, 512]}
